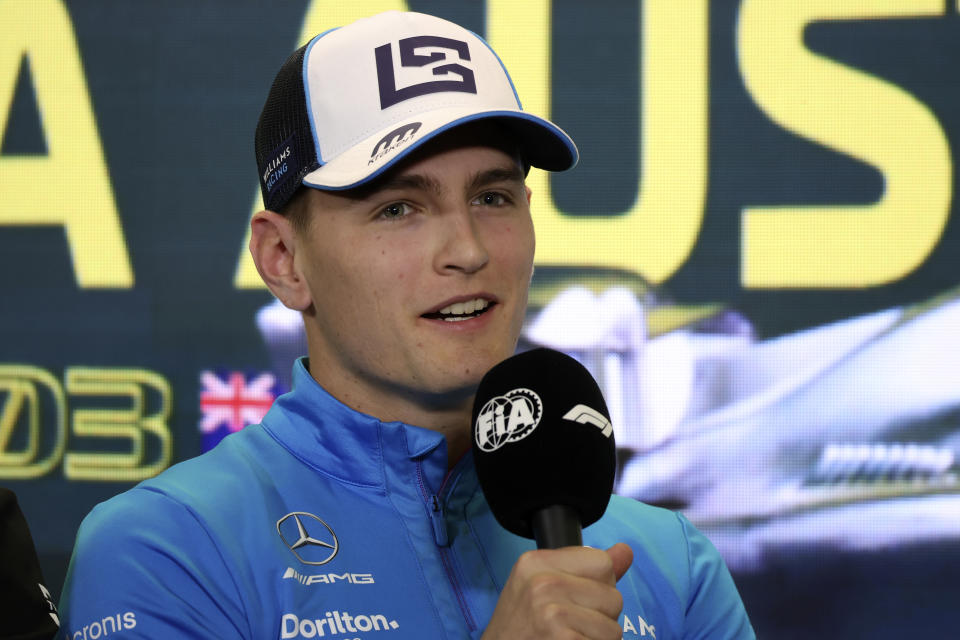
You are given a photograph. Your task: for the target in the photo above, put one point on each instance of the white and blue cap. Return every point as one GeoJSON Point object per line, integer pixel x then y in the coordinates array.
{"type": "Point", "coordinates": [353, 101]}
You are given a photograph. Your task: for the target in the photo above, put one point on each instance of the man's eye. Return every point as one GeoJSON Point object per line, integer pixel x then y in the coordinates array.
{"type": "Point", "coordinates": [395, 210]}
{"type": "Point", "coordinates": [491, 199]}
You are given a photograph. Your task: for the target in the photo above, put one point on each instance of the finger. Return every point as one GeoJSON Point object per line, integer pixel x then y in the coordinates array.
{"type": "Point", "coordinates": [554, 588]}
{"type": "Point", "coordinates": [622, 557]}
{"type": "Point", "coordinates": [585, 621]}
{"type": "Point", "coordinates": [586, 562]}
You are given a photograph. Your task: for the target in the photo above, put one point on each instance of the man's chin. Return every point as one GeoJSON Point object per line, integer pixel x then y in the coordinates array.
{"type": "Point", "coordinates": [470, 367]}
{"type": "Point", "coordinates": [453, 390]}
{"type": "Point", "coordinates": [455, 374]}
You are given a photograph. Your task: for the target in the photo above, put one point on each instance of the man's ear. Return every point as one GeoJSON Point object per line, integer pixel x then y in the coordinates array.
{"type": "Point", "coordinates": [273, 245]}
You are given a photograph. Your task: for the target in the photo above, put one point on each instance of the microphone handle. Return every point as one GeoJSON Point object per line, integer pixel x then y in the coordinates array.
{"type": "Point", "coordinates": [557, 526]}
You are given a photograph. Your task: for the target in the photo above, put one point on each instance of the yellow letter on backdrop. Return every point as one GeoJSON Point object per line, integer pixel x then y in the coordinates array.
{"type": "Point", "coordinates": [70, 186]}
{"type": "Point", "coordinates": [854, 113]}
{"type": "Point", "coordinates": [655, 236]}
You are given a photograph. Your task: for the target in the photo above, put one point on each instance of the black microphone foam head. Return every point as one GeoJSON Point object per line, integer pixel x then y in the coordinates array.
{"type": "Point", "coordinates": [542, 437]}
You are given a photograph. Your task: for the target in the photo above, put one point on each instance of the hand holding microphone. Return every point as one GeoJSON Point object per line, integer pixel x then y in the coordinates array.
{"type": "Point", "coordinates": [545, 456]}
{"type": "Point", "coordinates": [562, 593]}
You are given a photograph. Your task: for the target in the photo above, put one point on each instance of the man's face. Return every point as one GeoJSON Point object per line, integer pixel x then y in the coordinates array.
{"type": "Point", "coordinates": [418, 284]}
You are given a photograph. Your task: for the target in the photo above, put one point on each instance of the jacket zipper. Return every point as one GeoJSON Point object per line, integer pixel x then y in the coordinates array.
{"type": "Point", "coordinates": [435, 508]}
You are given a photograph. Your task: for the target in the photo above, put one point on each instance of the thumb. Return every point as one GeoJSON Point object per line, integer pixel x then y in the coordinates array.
{"type": "Point", "coordinates": [622, 556]}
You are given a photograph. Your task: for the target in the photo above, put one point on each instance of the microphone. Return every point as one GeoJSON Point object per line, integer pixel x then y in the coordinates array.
{"type": "Point", "coordinates": [543, 447]}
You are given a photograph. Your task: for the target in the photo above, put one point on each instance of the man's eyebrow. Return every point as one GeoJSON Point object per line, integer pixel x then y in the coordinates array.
{"type": "Point", "coordinates": [410, 181]}
{"type": "Point", "coordinates": [505, 173]}
{"type": "Point", "coordinates": [513, 173]}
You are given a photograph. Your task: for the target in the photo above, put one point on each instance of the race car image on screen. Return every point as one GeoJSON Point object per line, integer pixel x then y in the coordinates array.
{"type": "Point", "coordinates": [843, 436]}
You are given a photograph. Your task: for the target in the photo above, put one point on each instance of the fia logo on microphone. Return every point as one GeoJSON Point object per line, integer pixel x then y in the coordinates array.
{"type": "Point", "coordinates": [508, 418]}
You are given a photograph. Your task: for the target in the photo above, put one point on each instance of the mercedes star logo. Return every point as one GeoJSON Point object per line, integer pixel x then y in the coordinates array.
{"type": "Point", "coordinates": [308, 537]}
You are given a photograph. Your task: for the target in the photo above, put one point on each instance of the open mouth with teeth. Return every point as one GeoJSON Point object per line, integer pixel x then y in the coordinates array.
{"type": "Point", "coordinates": [459, 311]}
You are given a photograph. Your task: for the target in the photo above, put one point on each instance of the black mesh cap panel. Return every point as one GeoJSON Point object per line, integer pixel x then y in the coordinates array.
{"type": "Point", "coordinates": [283, 141]}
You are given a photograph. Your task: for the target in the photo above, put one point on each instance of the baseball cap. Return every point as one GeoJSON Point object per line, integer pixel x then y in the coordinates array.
{"type": "Point", "coordinates": [353, 101]}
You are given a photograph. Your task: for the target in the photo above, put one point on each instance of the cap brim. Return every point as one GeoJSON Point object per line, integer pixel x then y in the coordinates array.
{"type": "Point", "coordinates": [543, 145]}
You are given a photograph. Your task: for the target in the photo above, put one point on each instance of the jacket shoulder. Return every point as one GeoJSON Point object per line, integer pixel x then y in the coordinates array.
{"type": "Point", "coordinates": [676, 566]}
{"type": "Point", "coordinates": [164, 551]}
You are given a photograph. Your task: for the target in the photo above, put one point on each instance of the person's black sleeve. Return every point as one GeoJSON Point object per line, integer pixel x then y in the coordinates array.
{"type": "Point", "coordinates": [26, 609]}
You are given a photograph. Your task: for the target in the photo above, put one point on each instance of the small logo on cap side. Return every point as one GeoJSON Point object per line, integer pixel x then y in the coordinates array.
{"type": "Point", "coordinates": [393, 140]}
{"type": "Point", "coordinates": [508, 418]}
{"type": "Point", "coordinates": [281, 164]}
{"type": "Point", "coordinates": [409, 58]}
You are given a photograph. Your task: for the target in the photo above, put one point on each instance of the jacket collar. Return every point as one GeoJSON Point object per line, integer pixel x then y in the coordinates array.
{"type": "Point", "coordinates": [351, 446]}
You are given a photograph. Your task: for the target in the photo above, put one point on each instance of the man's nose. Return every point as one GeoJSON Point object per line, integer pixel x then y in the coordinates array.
{"type": "Point", "coordinates": [462, 248]}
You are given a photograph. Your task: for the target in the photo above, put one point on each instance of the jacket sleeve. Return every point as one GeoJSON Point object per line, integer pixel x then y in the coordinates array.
{"type": "Point", "coordinates": [25, 607]}
{"type": "Point", "coordinates": [714, 607]}
{"type": "Point", "coordinates": [143, 564]}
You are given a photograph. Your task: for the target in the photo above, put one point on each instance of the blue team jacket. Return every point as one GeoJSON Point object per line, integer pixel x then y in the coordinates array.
{"type": "Point", "coordinates": [323, 522]}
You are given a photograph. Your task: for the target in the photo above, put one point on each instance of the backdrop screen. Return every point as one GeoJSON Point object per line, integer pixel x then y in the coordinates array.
{"type": "Point", "coordinates": [757, 258]}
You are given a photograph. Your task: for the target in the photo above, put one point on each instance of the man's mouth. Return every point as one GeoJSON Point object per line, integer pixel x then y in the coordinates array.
{"type": "Point", "coordinates": [460, 311]}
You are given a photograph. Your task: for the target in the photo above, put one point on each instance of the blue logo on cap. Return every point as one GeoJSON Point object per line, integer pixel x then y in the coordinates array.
{"type": "Point", "coordinates": [390, 95]}
{"type": "Point", "coordinates": [281, 164]}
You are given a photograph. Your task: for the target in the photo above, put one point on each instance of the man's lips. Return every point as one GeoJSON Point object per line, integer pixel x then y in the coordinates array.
{"type": "Point", "coordinates": [462, 308]}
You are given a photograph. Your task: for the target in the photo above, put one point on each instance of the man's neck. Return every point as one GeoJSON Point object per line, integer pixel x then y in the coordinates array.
{"type": "Point", "coordinates": [448, 414]}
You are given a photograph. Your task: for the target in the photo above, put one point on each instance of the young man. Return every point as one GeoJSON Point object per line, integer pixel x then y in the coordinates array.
{"type": "Point", "coordinates": [392, 154]}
